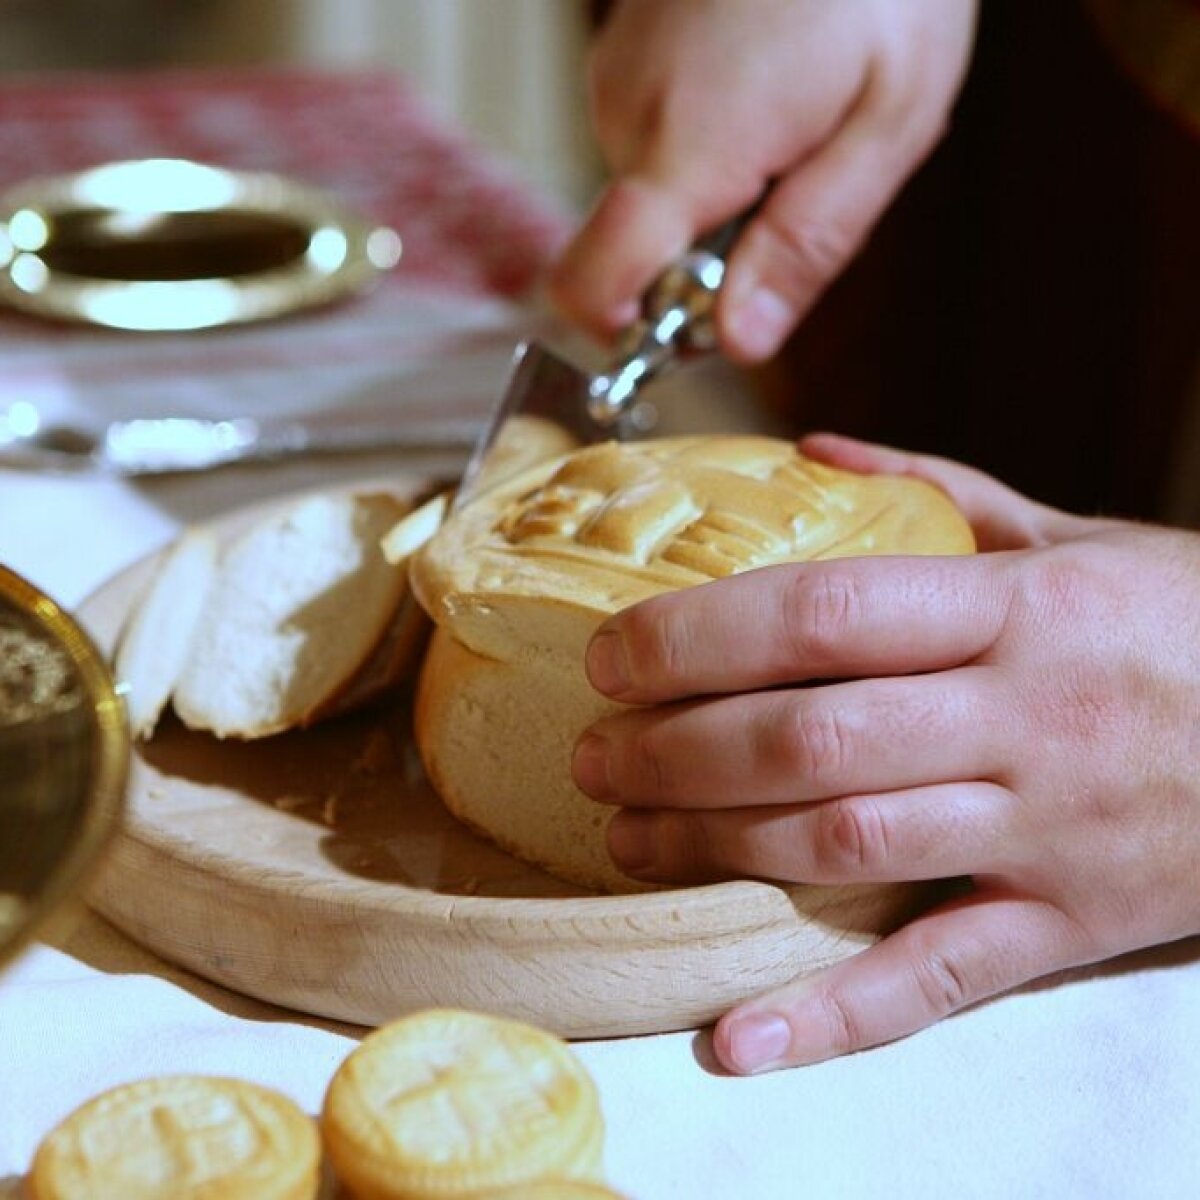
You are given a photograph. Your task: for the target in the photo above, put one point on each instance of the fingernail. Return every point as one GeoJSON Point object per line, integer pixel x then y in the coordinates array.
{"type": "Point", "coordinates": [630, 841]}
{"type": "Point", "coordinates": [622, 314]}
{"type": "Point", "coordinates": [759, 1041]}
{"type": "Point", "coordinates": [607, 667]}
{"type": "Point", "coordinates": [589, 766]}
{"type": "Point", "coordinates": [761, 322]}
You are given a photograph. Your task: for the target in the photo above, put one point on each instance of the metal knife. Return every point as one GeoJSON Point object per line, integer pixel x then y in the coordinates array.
{"type": "Point", "coordinates": [676, 322]}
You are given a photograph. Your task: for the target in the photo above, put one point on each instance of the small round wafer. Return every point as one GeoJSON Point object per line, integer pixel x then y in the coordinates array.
{"type": "Point", "coordinates": [447, 1104]}
{"type": "Point", "coordinates": [180, 1137]}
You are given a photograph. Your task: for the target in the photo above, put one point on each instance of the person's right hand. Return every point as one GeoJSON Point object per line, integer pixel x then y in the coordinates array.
{"type": "Point", "coordinates": [698, 104]}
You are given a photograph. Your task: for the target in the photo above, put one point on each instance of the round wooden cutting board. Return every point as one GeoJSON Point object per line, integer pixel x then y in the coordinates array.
{"type": "Point", "coordinates": [317, 870]}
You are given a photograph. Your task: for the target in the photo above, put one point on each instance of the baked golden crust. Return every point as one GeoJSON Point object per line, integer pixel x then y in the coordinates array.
{"type": "Point", "coordinates": [518, 580]}
{"type": "Point", "coordinates": [612, 524]}
{"type": "Point", "coordinates": [495, 740]}
{"type": "Point", "coordinates": [447, 1103]}
{"type": "Point", "coordinates": [180, 1136]}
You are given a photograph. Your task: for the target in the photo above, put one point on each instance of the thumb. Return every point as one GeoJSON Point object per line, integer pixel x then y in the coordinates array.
{"type": "Point", "coordinates": [1001, 518]}
{"type": "Point", "coordinates": [955, 956]}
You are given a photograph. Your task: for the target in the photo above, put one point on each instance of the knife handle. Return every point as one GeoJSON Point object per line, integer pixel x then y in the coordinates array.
{"type": "Point", "coordinates": [677, 320]}
{"type": "Point", "coordinates": [692, 283]}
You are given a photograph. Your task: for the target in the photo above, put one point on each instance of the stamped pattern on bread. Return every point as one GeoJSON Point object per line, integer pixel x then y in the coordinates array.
{"type": "Point", "coordinates": [680, 511]}
{"type": "Point", "coordinates": [683, 506]}
{"type": "Point", "coordinates": [448, 1103]}
{"type": "Point", "coordinates": [518, 581]}
{"type": "Point", "coordinates": [180, 1135]}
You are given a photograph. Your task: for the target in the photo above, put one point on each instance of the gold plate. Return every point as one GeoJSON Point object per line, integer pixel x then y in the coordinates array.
{"type": "Point", "coordinates": [166, 244]}
{"type": "Point", "coordinates": [63, 758]}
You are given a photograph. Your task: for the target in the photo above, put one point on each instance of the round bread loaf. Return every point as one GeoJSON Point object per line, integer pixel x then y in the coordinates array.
{"type": "Point", "coordinates": [446, 1104]}
{"type": "Point", "coordinates": [180, 1136]}
{"type": "Point", "coordinates": [517, 581]}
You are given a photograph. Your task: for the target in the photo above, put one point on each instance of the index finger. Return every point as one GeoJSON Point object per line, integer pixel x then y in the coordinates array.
{"type": "Point", "coordinates": [635, 229]}
{"type": "Point", "coordinates": [836, 619]}
{"type": "Point", "coordinates": [639, 225]}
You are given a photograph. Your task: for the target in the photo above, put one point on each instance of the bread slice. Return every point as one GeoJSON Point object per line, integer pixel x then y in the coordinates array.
{"type": "Point", "coordinates": [301, 603]}
{"type": "Point", "coordinates": [301, 617]}
{"type": "Point", "coordinates": [518, 580]}
{"type": "Point", "coordinates": [157, 639]}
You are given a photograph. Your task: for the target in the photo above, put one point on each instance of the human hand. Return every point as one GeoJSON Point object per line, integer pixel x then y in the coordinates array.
{"type": "Point", "coordinates": [1025, 717]}
{"type": "Point", "coordinates": [697, 104]}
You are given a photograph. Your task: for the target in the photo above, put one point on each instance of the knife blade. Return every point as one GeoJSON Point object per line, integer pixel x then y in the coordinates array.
{"type": "Point", "coordinates": [676, 322]}
{"type": "Point", "coordinates": [542, 385]}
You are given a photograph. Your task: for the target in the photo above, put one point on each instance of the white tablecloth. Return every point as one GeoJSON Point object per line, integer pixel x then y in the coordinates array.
{"type": "Point", "coordinates": [1085, 1087]}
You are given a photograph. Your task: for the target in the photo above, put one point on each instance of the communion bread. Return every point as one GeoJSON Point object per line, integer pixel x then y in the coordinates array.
{"type": "Point", "coordinates": [179, 1136]}
{"type": "Point", "coordinates": [300, 617]}
{"type": "Point", "coordinates": [447, 1104]}
{"type": "Point", "coordinates": [158, 636]}
{"type": "Point", "coordinates": [517, 581]}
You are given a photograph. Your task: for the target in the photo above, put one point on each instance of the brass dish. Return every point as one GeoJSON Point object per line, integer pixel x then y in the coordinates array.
{"type": "Point", "coordinates": [166, 244]}
{"type": "Point", "coordinates": [63, 760]}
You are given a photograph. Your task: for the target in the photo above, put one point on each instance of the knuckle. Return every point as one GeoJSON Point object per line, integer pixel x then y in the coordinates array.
{"type": "Point", "coordinates": [1070, 588]}
{"type": "Point", "coordinates": [820, 608]}
{"type": "Point", "coordinates": [814, 741]}
{"type": "Point", "coordinates": [1057, 590]}
{"type": "Point", "coordinates": [850, 837]}
{"type": "Point", "coordinates": [660, 650]}
{"type": "Point", "coordinates": [816, 249]}
{"type": "Point", "coordinates": [650, 773]}
{"type": "Point", "coordinates": [696, 840]}
{"type": "Point", "coordinates": [942, 981]}
{"type": "Point", "coordinates": [845, 1031]}
{"type": "Point", "coordinates": [1084, 701]}
{"type": "Point", "coordinates": [1082, 709]}
{"type": "Point", "coordinates": [683, 842]}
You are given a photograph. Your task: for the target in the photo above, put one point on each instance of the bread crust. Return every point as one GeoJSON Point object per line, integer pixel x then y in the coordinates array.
{"type": "Point", "coordinates": [518, 580]}
{"type": "Point", "coordinates": [486, 758]}
{"type": "Point", "coordinates": [447, 1103]}
{"type": "Point", "coordinates": [298, 619]}
{"type": "Point", "coordinates": [181, 1135]}
{"type": "Point", "coordinates": [589, 533]}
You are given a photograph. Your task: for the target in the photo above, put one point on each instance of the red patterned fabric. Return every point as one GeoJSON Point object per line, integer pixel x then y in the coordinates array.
{"type": "Point", "coordinates": [466, 221]}
{"type": "Point", "coordinates": [436, 337]}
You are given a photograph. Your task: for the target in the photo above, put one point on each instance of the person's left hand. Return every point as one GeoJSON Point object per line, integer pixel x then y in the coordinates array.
{"type": "Point", "coordinates": [1028, 717]}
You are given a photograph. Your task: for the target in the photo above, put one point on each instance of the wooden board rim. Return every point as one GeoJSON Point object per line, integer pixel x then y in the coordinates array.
{"type": "Point", "coordinates": [691, 951]}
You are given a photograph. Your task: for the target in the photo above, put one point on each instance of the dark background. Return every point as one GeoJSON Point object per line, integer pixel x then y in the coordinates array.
{"type": "Point", "coordinates": [1031, 304]}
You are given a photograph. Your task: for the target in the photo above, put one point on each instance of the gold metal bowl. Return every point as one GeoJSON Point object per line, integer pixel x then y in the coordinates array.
{"type": "Point", "coordinates": [64, 751]}
{"type": "Point", "coordinates": [167, 244]}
